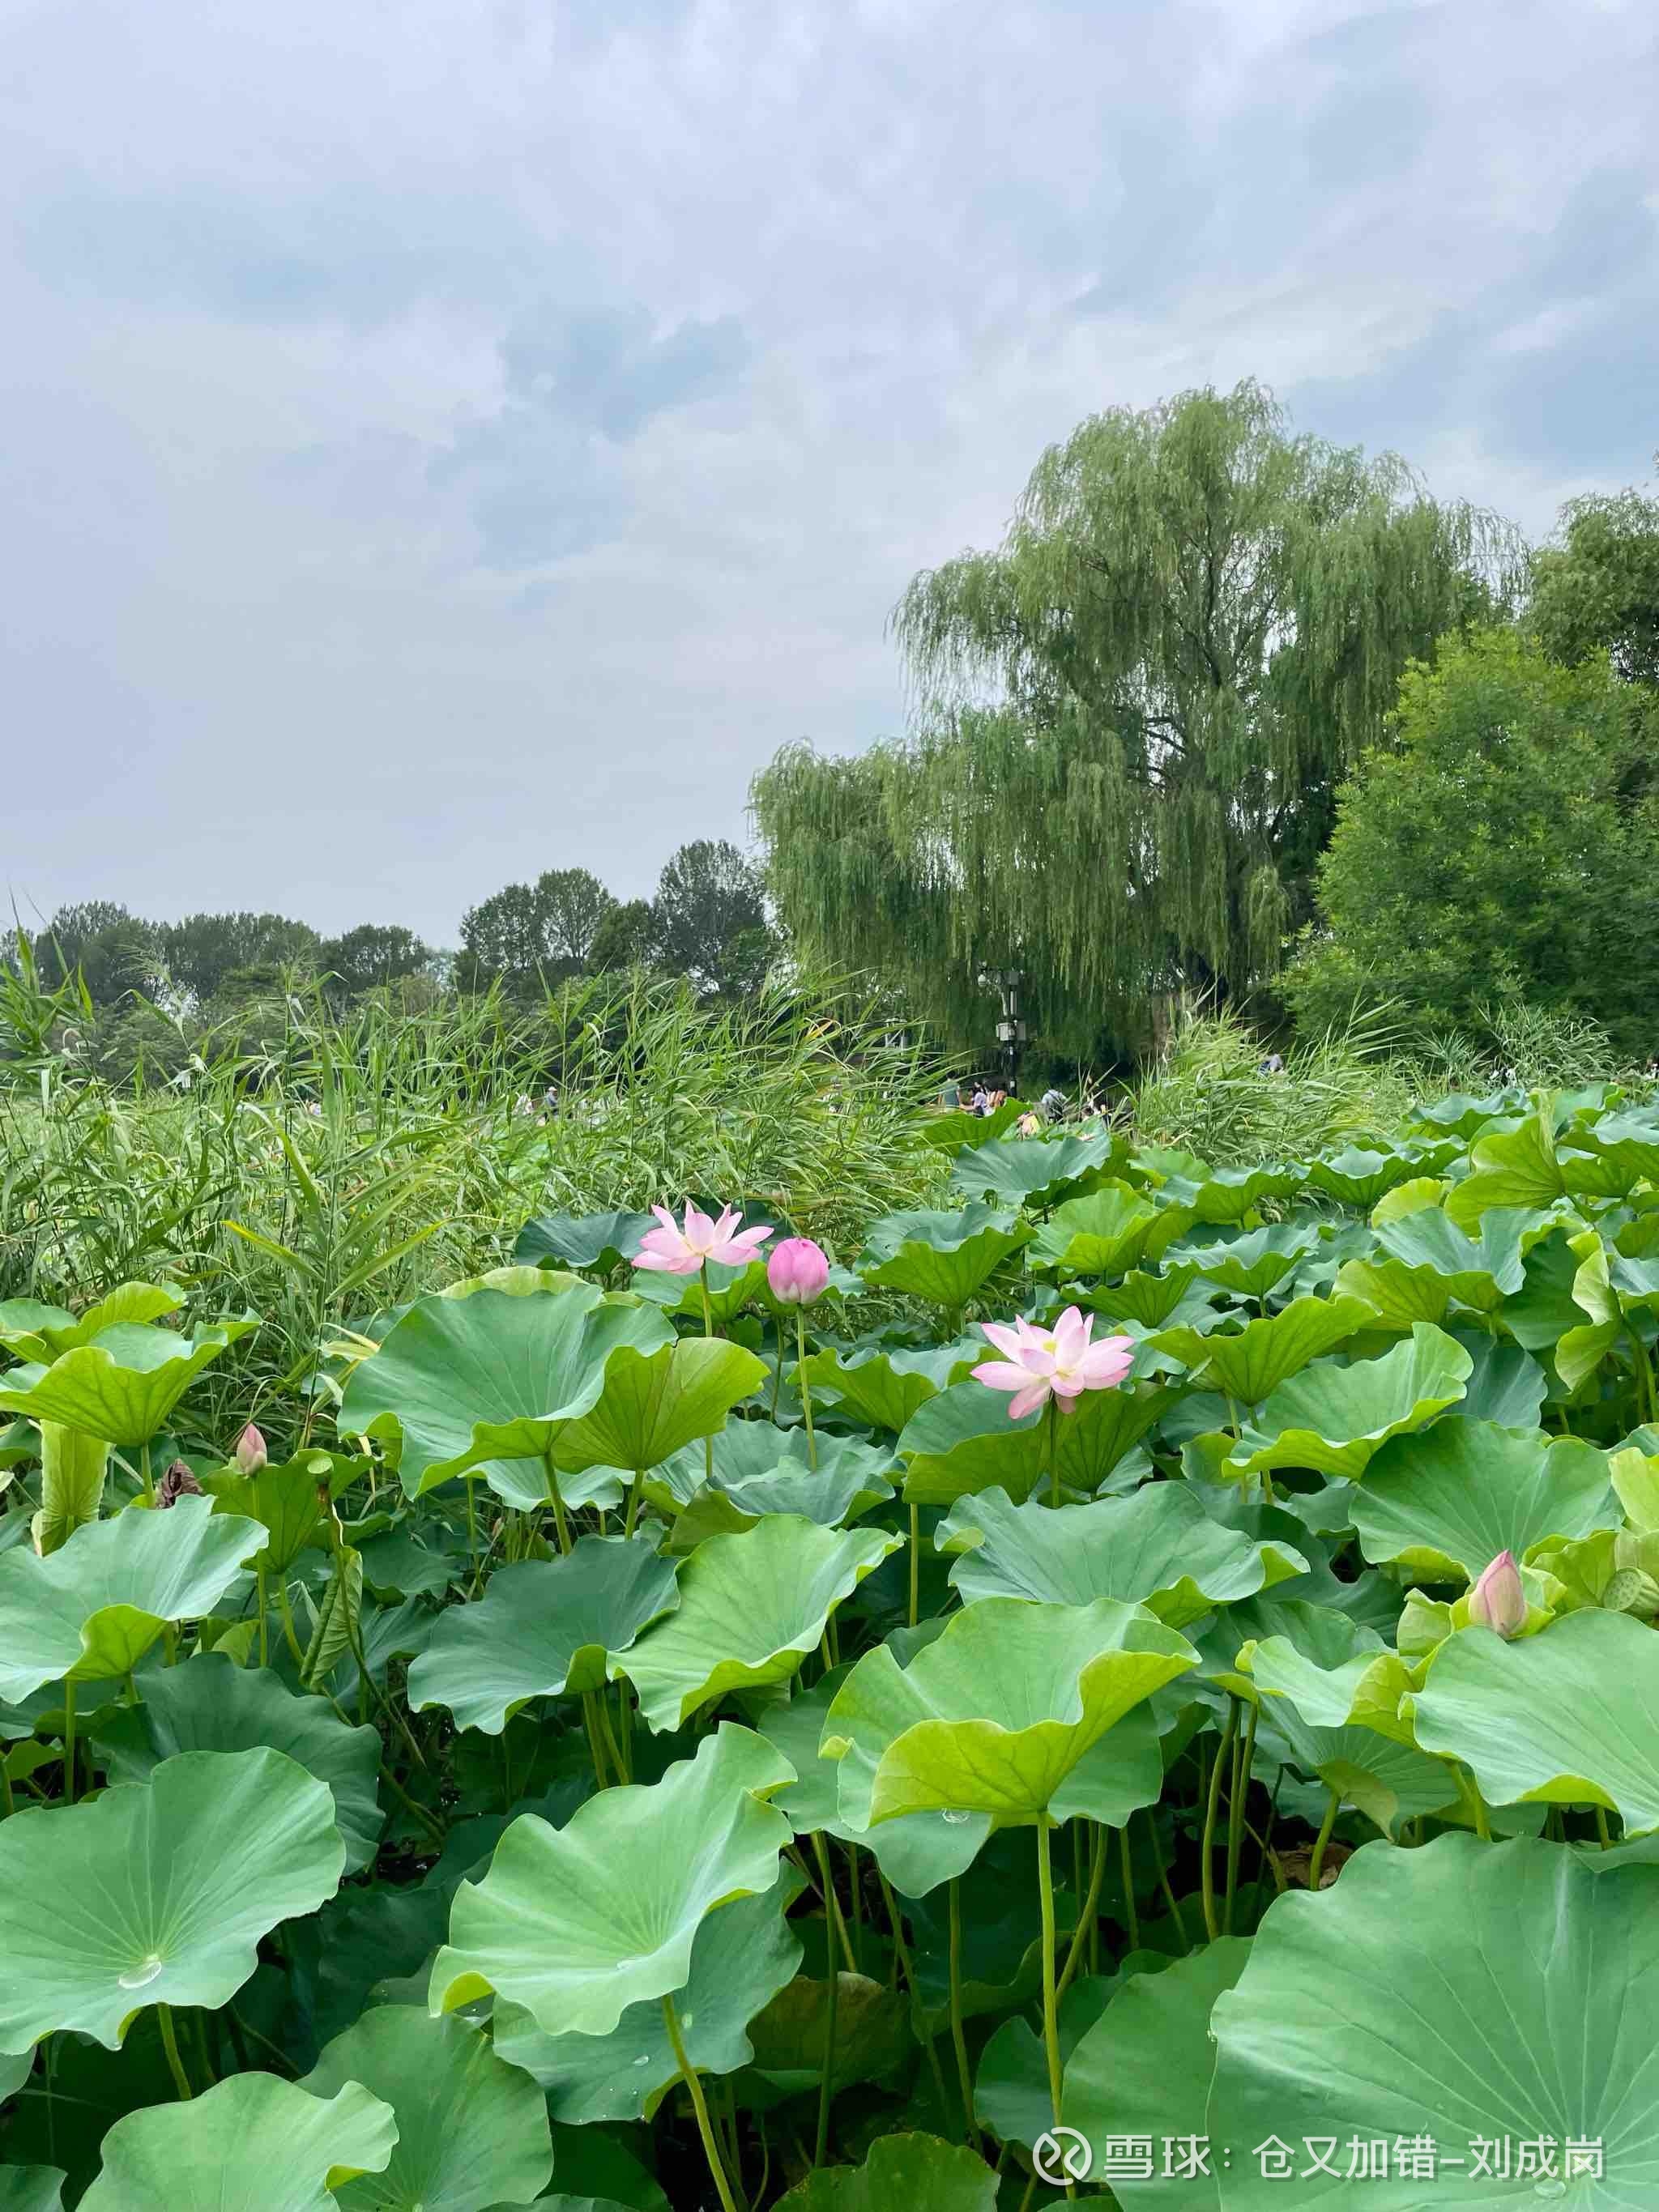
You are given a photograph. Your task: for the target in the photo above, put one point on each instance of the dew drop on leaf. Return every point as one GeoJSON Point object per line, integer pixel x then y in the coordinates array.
{"type": "Point", "coordinates": [139, 1977]}
{"type": "Point", "coordinates": [955, 1818]}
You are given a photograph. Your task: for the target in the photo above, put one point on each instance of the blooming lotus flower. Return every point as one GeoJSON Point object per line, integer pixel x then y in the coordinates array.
{"type": "Point", "coordinates": [251, 1455]}
{"type": "Point", "coordinates": [797, 1271]}
{"type": "Point", "coordinates": [679, 1249]}
{"type": "Point", "coordinates": [1498, 1600]}
{"type": "Point", "coordinates": [1061, 1361]}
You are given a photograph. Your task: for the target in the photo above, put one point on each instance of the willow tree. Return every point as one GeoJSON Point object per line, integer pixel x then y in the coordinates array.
{"type": "Point", "coordinates": [1130, 717]}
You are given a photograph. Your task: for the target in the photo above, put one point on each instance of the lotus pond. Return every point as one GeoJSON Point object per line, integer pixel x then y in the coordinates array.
{"type": "Point", "coordinates": [662, 1732]}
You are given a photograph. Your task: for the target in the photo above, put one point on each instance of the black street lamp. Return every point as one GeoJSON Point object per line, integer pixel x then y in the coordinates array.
{"type": "Point", "coordinates": [1010, 1030]}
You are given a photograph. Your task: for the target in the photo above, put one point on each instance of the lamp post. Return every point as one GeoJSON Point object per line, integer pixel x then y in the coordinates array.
{"type": "Point", "coordinates": [1010, 1030]}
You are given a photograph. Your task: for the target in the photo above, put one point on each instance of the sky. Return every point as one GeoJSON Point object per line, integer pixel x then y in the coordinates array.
{"type": "Point", "coordinates": [451, 438]}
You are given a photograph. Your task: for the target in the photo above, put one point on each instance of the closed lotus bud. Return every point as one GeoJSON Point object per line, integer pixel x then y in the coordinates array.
{"type": "Point", "coordinates": [1498, 1601]}
{"type": "Point", "coordinates": [797, 1271]}
{"type": "Point", "coordinates": [177, 1482]}
{"type": "Point", "coordinates": [250, 1453]}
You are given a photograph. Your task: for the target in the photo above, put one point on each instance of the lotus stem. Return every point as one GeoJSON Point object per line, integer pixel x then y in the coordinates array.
{"type": "Point", "coordinates": [958, 2037]}
{"type": "Point", "coordinates": [635, 1489]}
{"type": "Point", "coordinates": [551, 1476]}
{"type": "Point", "coordinates": [1051, 1432]}
{"type": "Point", "coordinates": [1237, 1796]}
{"type": "Point", "coordinates": [1317, 1862]}
{"type": "Point", "coordinates": [901, 1953]}
{"type": "Point", "coordinates": [286, 1612]}
{"type": "Point", "coordinates": [915, 1564]}
{"type": "Point", "coordinates": [1087, 1910]}
{"type": "Point", "coordinates": [1050, 1985]}
{"type": "Point", "coordinates": [806, 1387]}
{"type": "Point", "coordinates": [1602, 1828]}
{"type": "Point", "coordinates": [1169, 1897]}
{"type": "Point", "coordinates": [827, 2073]}
{"type": "Point", "coordinates": [68, 1742]}
{"type": "Point", "coordinates": [613, 1750]}
{"type": "Point", "coordinates": [1129, 1887]}
{"type": "Point", "coordinates": [170, 2044]}
{"type": "Point", "coordinates": [595, 1748]}
{"type": "Point", "coordinates": [834, 1923]}
{"type": "Point", "coordinates": [708, 1330]}
{"type": "Point", "coordinates": [264, 1601]}
{"type": "Point", "coordinates": [1213, 1803]}
{"type": "Point", "coordinates": [711, 2149]}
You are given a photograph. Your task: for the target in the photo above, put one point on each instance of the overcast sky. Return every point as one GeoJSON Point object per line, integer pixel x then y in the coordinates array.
{"type": "Point", "coordinates": [448, 439]}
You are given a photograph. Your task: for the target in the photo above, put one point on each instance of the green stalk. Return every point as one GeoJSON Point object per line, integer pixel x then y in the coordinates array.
{"type": "Point", "coordinates": [1129, 1887]}
{"type": "Point", "coordinates": [170, 2044]}
{"type": "Point", "coordinates": [699, 2106]}
{"type": "Point", "coordinates": [1050, 1987]}
{"type": "Point", "coordinates": [827, 2073]}
{"type": "Point", "coordinates": [1600, 1828]}
{"type": "Point", "coordinates": [806, 1387]}
{"type": "Point", "coordinates": [595, 1750]}
{"type": "Point", "coordinates": [835, 1925]}
{"type": "Point", "coordinates": [1243, 1760]}
{"type": "Point", "coordinates": [708, 1330]}
{"type": "Point", "coordinates": [1170, 1897]}
{"type": "Point", "coordinates": [1207, 1849]}
{"type": "Point", "coordinates": [901, 1953]}
{"type": "Point", "coordinates": [1316, 1863]}
{"type": "Point", "coordinates": [915, 1563]}
{"type": "Point", "coordinates": [1089, 1908]}
{"type": "Point", "coordinates": [556, 1501]}
{"type": "Point", "coordinates": [1051, 1432]}
{"type": "Point", "coordinates": [69, 1743]}
{"type": "Point", "coordinates": [264, 1601]}
{"type": "Point", "coordinates": [958, 2037]}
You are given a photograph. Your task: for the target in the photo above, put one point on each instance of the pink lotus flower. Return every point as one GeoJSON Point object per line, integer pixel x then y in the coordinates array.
{"type": "Point", "coordinates": [797, 1271]}
{"type": "Point", "coordinates": [1498, 1601]}
{"type": "Point", "coordinates": [674, 1250]}
{"type": "Point", "coordinates": [251, 1455]}
{"type": "Point", "coordinates": [1061, 1361]}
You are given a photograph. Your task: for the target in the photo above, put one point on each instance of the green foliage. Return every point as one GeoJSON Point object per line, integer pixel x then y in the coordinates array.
{"type": "Point", "coordinates": [1507, 844]}
{"type": "Point", "coordinates": [1598, 592]}
{"type": "Point", "coordinates": [1195, 626]}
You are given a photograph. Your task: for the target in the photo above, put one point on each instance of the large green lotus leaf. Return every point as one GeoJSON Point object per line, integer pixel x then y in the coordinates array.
{"type": "Point", "coordinates": [998, 1715]}
{"type": "Point", "coordinates": [885, 1388]}
{"type": "Point", "coordinates": [1517, 1167]}
{"type": "Point", "coordinates": [654, 1403]}
{"type": "Point", "coordinates": [1465, 1992]}
{"type": "Point", "coordinates": [1250, 1365]}
{"type": "Point", "coordinates": [1505, 1385]}
{"type": "Point", "coordinates": [751, 1607]}
{"type": "Point", "coordinates": [1107, 1232]}
{"type": "Point", "coordinates": [1217, 1196]}
{"type": "Point", "coordinates": [1569, 1717]}
{"type": "Point", "coordinates": [1358, 1177]}
{"type": "Point", "coordinates": [582, 1240]}
{"type": "Point", "coordinates": [1390, 1783]}
{"type": "Point", "coordinates": [542, 1628]}
{"type": "Point", "coordinates": [760, 1469]}
{"type": "Point", "coordinates": [493, 1376]}
{"type": "Point", "coordinates": [1151, 1299]}
{"type": "Point", "coordinates": [158, 1891]}
{"type": "Point", "coordinates": [1250, 1266]}
{"type": "Point", "coordinates": [1033, 1171]}
{"type": "Point", "coordinates": [942, 1257]}
{"type": "Point", "coordinates": [963, 1442]}
{"type": "Point", "coordinates": [123, 1386]}
{"type": "Point", "coordinates": [917, 2172]}
{"type": "Point", "coordinates": [742, 1956]}
{"type": "Point", "coordinates": [1157, 1547]}
{"type": "Point", "coordinates": [1625, 1146]}
{"type": "Point", "coordinates": [1144, 2069]}
{"type": "Point", "coordinates": [731, 1290]}
{"type": "Point", "coordinates": [1478, 1270]}
{"type": "Point", "coordinates": [38, 1332]}
{"type": "Point", "coordinates": [873, 2033]}
{"type": "Point", "coordinates": [253, 2144]}
{"type": "Point", "coordinates": [473, 2129]}
{"type": "Point", "coordinates": [1458, 1114]}
{"type": "Point", "coordinates": [285, 1499]}
{"type": "Point", "coordinates": [91, 1610]}
{"type": "Point", "coordinates": [1445, 1503]}
{"type": "Point", "coordinates": [213, 1705]}
{"type": "Point", "coordinates": [32, 2189]}
{"type": "Point", "coordinates": [577, 1924]}
{"type": "Point", "coordinates": [1334, 1420]}
{"type": "Point", "coordinates": [916, 1852]}
{"type": "Point", "coordinates": [849, 1479]}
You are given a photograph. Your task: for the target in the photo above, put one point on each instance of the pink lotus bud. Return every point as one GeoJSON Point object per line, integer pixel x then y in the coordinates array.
{"type": "Point", "coordinates": [1498, 1601]}
{"type": "Point", "coordinates": [251, 1454]}
{"type": "Point", "coordinates": [797, 1271]}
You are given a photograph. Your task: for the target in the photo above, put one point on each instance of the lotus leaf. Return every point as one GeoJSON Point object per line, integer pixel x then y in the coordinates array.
{"type": "Point", "coordinates": [742, 1955]}
{"type": "Point", "coordinates": [577, 1924]}
{"type": "Point", "coordinates": [122, 1385]}
{"type": "Point", "coordinates": [542, 1628]}
{"type": "Point", "coordinates": [1250, 1365]}
{"type": "Point", "coordinates": [285, 1499]}
{"type": "Point", "coordinates": [886, 1387]}
{"type": "Point", "coordinates": [1569, 1717]}
{"type": "Point", "coordinates": [90, 1611]}
{"type": "Point", "coordinates": [160, 1889]}
{"type": "Point", "coordinates": [1359, 1177]}
{"type": "Point", "coordinates": [213, 1705]}
{"type": "Point", "coordinates": [1446, 1502]}
{"type": "Point", "coordinates": [1526, 1978]}
{"type": "Point", "coordinates": [1157, 1547]}
{"type": "Point", "coordinates": [1000, 1714]}
{"type": "Point", "coordinates": [1153, 1300]}
{"type": "Point", "coordinates": [1334, 1420]}
{"type": "Point", "coordinates": [942, 1257]}
{"type": "Point", "coordinates": [751, 1607]}
{"type": "Point", "coordinates": [38, 1332]}
{"type": "Point", "coordinates": [73, 1466]}
{"type": "Point", "coordinates": [253, 2144]}
{"type": "Point", "coordinates": [31, 2188]}
{"type": "Point", "coordinates": [963, 1442]}
{"type": "Point", "coordinates": [1032, 1172]}
{"type": "Point", "coordinates": [1217, 1196]}
{"type": "Point", "coordinates": [1517, 1167]}
{"type": "Point", "coordinates": [602, 1241]}
{"type": "Point", "coordinates": [1250, 1266]}
{"type": "Point", "coordinates": [655, 1402]}
{"type": "Point", "coordinates": [1107, 1232]}
{"type": "Point", "coordinates": [493, 1376]}
{"type": "Point", "coordinates": [919, 2172]}
{"type": "Point", "coordinates": [472, 2133]}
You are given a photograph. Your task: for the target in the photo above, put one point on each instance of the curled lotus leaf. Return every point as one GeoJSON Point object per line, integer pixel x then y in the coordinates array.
{"type": "Point", "coordinates": [254, 2143]}
{"type": "Point", "coordinates": [601, 1241]}
{"type": "Point", "coordinates": [1444, 1503]}
{"type": "Point", "coordinates": [1502, 1959]}
{"type": "Point", "coordinates": [1156, 1547]}
{"type": "Point", "coordinates": [942, 1257]}
{"type": "Point", "coordinates": [655, 1402]}
{"type": "Point", "coordinates": [122, 1384]}
{"type": "Point", "coordinates": [1107, 1232]}
{"type": "Point", "coordinates": [885, 1387]}
{"type": "Point", "coordinates": [1248, 1366]}
{"type": "Point", "coordinates": [1033, 1172]}
{"type": "Point", "coordinates": [963, 1442]}
{"type": "Point", "coordinates": [1000, 1714]}
{"type": "Point", "coordinates": [160, 1891]}
{"type": "Point", "coordinates": [90, 1610]}
{"type": "Point", "coordinates": [38, 1332]}
{"type": "Point", "coordinates": [1335, 1420]}
{"type": "Point", "coordinates": [1250, 1265]}
{"type": "Point", "coordinates": [576, 1923]}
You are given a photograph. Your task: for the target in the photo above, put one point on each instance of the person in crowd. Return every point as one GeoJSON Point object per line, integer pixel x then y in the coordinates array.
{"type": "Point", "coordinates": [1052, 1105]}
{"type": "Point", "coordinates": [950, 1097]}
{"type": "Point", "coordinates": [980, 1102]}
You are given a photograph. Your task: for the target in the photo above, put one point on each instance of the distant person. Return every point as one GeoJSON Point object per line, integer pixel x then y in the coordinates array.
{"type": "Point", "coordinates": [980, 1102]}
{"type": "Point", "coordinates": [996, 1102]}
{"type": "Point", "coordinates": [1272, 1065]}
{"type": "Point", "coordinates": [1030, 1125]}
{"type": "Point", "coordinates": [950, 1097]}
{"type": "Point", "coordinates": [1052, 1105]}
